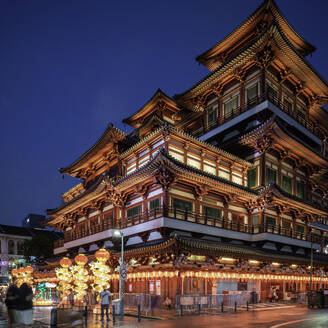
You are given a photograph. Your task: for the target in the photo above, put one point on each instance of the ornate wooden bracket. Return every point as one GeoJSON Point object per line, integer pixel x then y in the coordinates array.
{"type": "Point", "coordinates": [263, 144]}
{"type": "Point", "coordinates": [142, 189]}
{"type": "Point", "coordinates": [200, 191]}
{"type": "Point", "coordinates": [265, 57]}
{"type": "Point", "coordinates": [164, 177]}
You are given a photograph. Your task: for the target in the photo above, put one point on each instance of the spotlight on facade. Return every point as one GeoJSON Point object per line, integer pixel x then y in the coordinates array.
{"type": "Point", "coordinates": [117, 233]}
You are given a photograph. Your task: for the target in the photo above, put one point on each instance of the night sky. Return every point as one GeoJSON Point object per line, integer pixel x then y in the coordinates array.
{"type": "Point", "coordinates": [69, 67]}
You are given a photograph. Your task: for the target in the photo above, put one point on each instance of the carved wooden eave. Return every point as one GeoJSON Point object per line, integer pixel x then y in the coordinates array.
{"type": "Point", "coordinates": [162, 161]}
{"type": "Point", "coordinates": [73, 192]}
{"type": "Point", "coordinates": [272, 134]}
{"type": "Point", "coordinates": [105, 149]}
{"type": "Point", "coordinates": [161, 104]}
{"type": "Point", "coordinates": [284, 202]}
{"type": "Point", "coordinates": [284, 54]}
{"type": "Point", "coordinates": [266, 12]}
{"type": "Point", "coordinates": [168, 129]}
{"type": "Point", "coordinates": [80, 201]}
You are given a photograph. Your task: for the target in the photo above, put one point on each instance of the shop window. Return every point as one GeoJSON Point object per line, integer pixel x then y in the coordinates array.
{"type": "Point", "coordinates": [133, 211]}
{"type": "Point", "coordinates": [252, 94]}
{"type": "Point", "coordinates": [230, 106]}
{"type": "Point", "coordinates": [287, 184]}
{"type": "Point", "coordinates": [154, 203]}
{"type": "Point", "coordinates": [11, 247]}
{"type": "Point", "coordinates": [270, 221]}
{"type": "Point", "coordinates": [271, 175]}
{"type": "Point", "coordinates": [182, 204]}
{"type": "Point", "coordinates": [300, 189]}
{"type": "Point", "coordinates": [251, 178]}
{"type": "Point", "coordinates": [211, 115]}
{"type": "Point", "coordinates": [212, 213]}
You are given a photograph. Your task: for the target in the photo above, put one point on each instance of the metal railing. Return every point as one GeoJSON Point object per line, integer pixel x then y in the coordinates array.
{"type": "Point", "coordinates": [190, 216]}
{"type": "Point", "coordinates": [273, 98]}
{"type": "Point", "coordinates": [227, 302]}
{"type": "Point", "coordinates": [132, 300]}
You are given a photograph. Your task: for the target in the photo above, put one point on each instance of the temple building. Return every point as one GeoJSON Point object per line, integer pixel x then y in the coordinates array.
{"type": "Point", "coordinates": [221, 188]}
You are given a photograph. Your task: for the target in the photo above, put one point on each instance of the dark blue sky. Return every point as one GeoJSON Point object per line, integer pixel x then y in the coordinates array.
{"type": "Point", "coordinates": [68, 68]}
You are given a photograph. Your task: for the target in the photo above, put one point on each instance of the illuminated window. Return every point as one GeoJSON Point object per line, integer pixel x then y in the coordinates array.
{"type": "Point", "coordinates": [270, 221]}
{"type": "Point", "coordinates": [300, 189]}
{"type": "Point", "coordinates": [211, 114]}
{"type": "Point", "coordinates": [230, 106]}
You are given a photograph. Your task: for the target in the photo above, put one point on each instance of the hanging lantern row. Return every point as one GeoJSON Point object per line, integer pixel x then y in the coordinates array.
{"type": "Point", "coordinates": [74, 278]}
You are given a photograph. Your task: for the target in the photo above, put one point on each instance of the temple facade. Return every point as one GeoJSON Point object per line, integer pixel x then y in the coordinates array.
{"type": "Point", "coordinates": [221, 188]}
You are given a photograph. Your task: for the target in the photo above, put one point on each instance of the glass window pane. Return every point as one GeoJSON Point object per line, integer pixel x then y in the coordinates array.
{"type": "Point", "coordinates": [271, 175]}
{"type": "Point", "coordinates": [270, 221]}
{"type": "Point", "coordinates": [182, 204]}
{"type": "Point", "coordinates": [229, 106]}
{"type": "Point", "coordinates": [134, 211]}
{"type": "Point", "coordinates": [211, 212]}
{"type": "Point", "coordinates": [252, 94]}
{"type": "Point", "coordinates": [255, 220]}
{"type": "Point", "coordinates": [300, 189]}
{"type": "Point", "coordinates": [211, 114]}
{"type": "Point", "coordinates": [287, 184]}
{"type": "Point", "coordinates": [154, 203]}
{"type": "Point", "coordinates": [251, 178]}
{"type": "Point", "coordinates": [300, 228]}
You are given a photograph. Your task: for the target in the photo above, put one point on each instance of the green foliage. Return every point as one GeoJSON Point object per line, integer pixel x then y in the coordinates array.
{"type": "Point", "coordinates": [39, 248]}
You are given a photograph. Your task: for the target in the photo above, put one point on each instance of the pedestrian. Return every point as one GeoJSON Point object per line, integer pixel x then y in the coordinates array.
{"type": "Point", "coordinates": [153, 303]}
{"type": "Point", "coordinates": [71, 298]}
{"type": "Point", "coordinates": [25, 305]}
{"type": "Point", "coordinates": [104, 299]}
{"type": "Point", "coordinates": [168, 303]}
{"type": "Point", "coordinates": [11, 302]}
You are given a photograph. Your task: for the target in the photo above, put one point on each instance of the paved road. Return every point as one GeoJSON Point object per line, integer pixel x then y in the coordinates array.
{"type": "Point", "coordinates": [296, 317]}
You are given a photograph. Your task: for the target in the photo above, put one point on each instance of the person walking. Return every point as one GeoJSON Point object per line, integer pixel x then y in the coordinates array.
{"type": "Point", "coordinates": [104, 298]}
{"type": "Point", "coordinates": [11, 302]}
{"type": "Point", "coordinates": [25, 305]}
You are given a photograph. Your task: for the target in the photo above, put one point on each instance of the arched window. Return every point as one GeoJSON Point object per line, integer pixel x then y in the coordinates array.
{"type": "Point", "coordinates": [11, 247]}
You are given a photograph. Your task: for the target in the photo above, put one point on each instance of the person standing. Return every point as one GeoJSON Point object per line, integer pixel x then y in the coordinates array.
{"type": "Point", "coordinates": [11, 302]}
{"type": "Point", "coordinates": [25, 305]}
{"type": "Point", "coordinates": [104, 298]}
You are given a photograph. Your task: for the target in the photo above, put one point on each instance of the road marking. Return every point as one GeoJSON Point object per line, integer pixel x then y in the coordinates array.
{"type": "Point", "coordinates": [288, 323]}
{"type": "Point", "coordinates": [272, 308]}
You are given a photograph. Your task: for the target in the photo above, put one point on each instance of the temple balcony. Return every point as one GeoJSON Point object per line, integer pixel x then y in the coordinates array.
{"type": "Point", "coordinates": [259, 105]}
{"type": "Point", "coordinates": [190, 222]}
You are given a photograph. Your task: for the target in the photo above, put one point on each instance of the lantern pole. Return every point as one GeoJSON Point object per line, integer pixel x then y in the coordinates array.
{"type": "Point", "coordinates": [119, 233]}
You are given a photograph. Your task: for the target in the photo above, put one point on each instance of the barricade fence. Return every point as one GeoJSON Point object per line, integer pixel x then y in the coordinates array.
{"type": "Point", "coordinates": [132, 300]}
{"type": "Point", "coordinates": [229, 302]}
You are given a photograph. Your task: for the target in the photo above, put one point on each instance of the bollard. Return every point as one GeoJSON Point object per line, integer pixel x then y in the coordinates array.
{"type": "Point", "coordinates": [53, 318]}
{"type": "Point", "coordinates": [113, 314]}
{"type": "Point", "coordinates": [139, 313]}
{"type": "Point", "coordinates": [247, 306]}
{"type": "Point", "coordinates": [198, 309]}
{"type": "Point", "coordinates": [181, 311]}
{"type": "Point", "coordinates": [235, 306]}
{"type": "Point", "coordinates": [222, 307]}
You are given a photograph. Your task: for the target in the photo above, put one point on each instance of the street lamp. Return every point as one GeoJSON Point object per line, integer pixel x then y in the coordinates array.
{"type": "Point", "coordinates": [119, 233]}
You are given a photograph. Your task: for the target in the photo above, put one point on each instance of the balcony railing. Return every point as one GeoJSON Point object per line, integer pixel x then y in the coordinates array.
{"type": "Point", "coordinates": [77, 234]}
{"type": "Point", "coordinates": [249, 105]}
{"type": "Point", "coordinates": [185, 215]}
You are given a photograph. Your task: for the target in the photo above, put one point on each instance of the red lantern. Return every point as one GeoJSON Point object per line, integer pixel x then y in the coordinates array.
{"type": "Point", "coordinates": [81, 259]}
{"type": "Point", "coordinates": [65, 262]}
{"type": "Point", "coordinates": [102, 255]}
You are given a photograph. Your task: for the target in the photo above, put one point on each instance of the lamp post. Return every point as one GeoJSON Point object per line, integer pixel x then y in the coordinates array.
{"type": "Point", "coordinates": [119, 233]}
